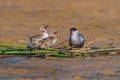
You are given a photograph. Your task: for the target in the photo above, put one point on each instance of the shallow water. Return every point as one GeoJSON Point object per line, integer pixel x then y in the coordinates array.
{"type": "Point", "coordinates": [89, 68]}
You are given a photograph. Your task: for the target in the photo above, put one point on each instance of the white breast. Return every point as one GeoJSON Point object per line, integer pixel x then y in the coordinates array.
{"type": "Point", "coordinates": [75, 37]}
{"type": "Point", "coordinates": [45, 35]}
{"type": "Point", "coordinates": [55, 40]}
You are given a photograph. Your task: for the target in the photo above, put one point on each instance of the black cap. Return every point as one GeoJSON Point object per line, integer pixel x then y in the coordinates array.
{"type": "Point", "coordinates": [73, 29]}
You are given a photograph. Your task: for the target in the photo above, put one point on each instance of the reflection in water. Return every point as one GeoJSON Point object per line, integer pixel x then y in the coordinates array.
{"type": "Point", "coordinates": [12, 60]}
{"type": "Point", "coordinates": [6, 78]}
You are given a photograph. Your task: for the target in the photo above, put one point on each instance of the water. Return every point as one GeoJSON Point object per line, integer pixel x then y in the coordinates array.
{"type": "Point", "coordinates": [97, 68]}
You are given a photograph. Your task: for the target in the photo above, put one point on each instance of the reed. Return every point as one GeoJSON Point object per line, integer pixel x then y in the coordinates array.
{"type": "Point", "coordinates": [10, 49]}
{"type": "Point", "coordinates": [27, 52]}
{"type": "Point", "coordinates": [11, 46]}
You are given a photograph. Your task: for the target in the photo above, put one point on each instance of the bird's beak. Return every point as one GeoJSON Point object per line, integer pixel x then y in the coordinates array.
{"type": "Point", "coordinates": [71, 33]}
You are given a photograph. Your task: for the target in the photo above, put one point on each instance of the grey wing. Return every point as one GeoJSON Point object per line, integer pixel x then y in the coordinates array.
{"type": "Point", "coordinates": [29, 45]}
{"type": "Point", "coordinates": [70, 41]}
{"type": "Point", "coordinates": [81, 38]}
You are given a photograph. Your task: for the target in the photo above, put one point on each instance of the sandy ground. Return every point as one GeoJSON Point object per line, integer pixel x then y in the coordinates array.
{"type": "Point", "coordinates": [98, 20]}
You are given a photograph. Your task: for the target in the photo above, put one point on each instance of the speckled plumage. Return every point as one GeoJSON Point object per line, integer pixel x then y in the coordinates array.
{"type": "Point", "coordinates": [49, 41]}
{"type": "Point", "coordinates": [33, 42]}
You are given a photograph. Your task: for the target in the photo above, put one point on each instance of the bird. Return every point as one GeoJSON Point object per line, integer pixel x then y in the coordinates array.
{"type": "Point", "coordinates": [76, 39]}
{"type": "Point", "coordinates": [49, 41]}
{"type": "Point", "coordinates": [44, 30]}
{"type": "Point", "coordinates": [33, 41]}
